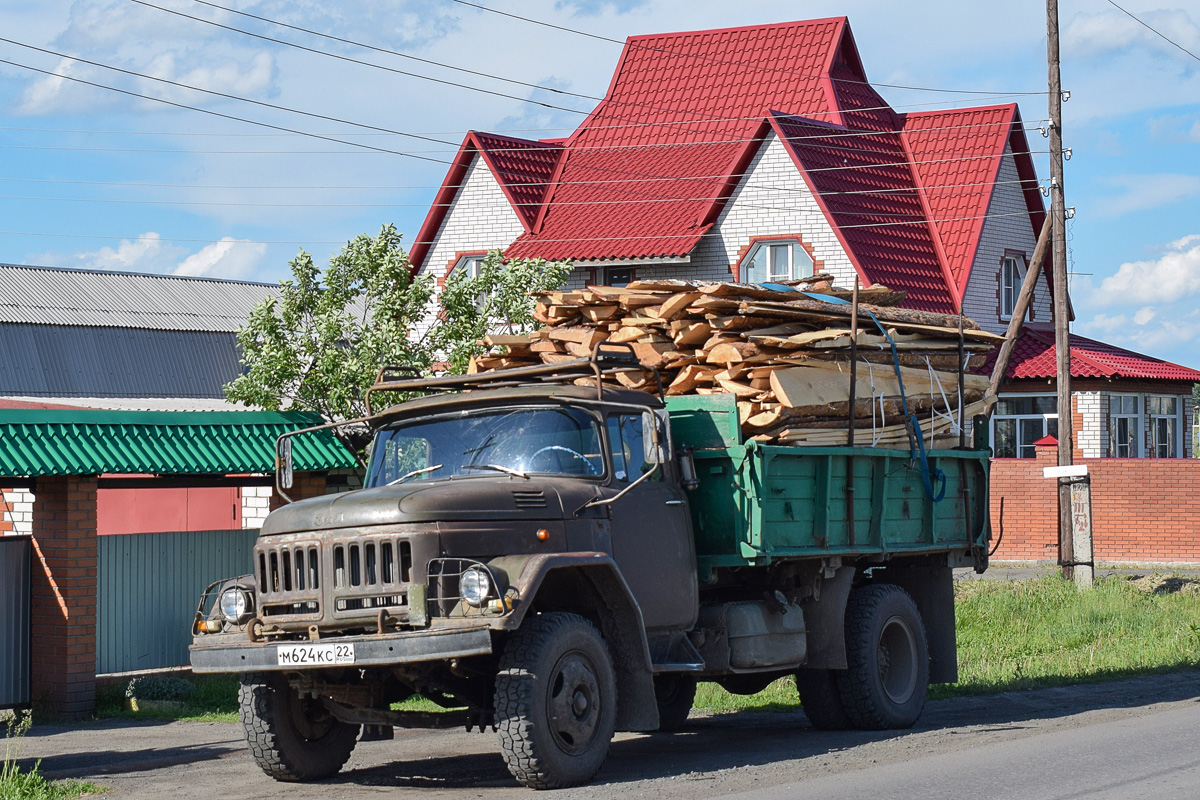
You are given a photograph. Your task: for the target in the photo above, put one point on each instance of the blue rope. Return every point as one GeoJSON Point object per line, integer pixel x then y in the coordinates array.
{"type": "Point", "coordinates": [928, 477]}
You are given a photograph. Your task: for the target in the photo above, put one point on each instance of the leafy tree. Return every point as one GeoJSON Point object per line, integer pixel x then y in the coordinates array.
{"type": "Point", "coordinates": [321, 344]}
{"type": "Point", "coordinates": [497, 300]}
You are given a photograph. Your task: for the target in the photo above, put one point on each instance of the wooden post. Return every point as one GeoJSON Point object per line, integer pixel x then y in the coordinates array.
{"type": "Point", "coordinates": [851, 533]}
{"type": "Point", "coordinates": [853, 359]}
{"type": "Point", "coordinates": [1062, 340]}
{"type": "Point", "coordinates": [962, 430]}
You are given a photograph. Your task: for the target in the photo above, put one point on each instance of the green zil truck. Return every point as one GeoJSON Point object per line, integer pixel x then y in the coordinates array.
{"type": "Point", "coordinates": [558, 560]}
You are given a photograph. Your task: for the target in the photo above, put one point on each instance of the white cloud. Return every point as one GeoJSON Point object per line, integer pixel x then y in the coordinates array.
{"type": "Point", "coordinates": [227, 77]}
{"type": "Point", "coordinates": [1175, 128]}
{"type": "Point", "coordinates": [146, 253]}
{"type": "Point", "coordinates": [1111, 31]}
{"type": "Point", "coordinates": [1144, 315]}
{"type": "Point", "coordinates": [1143, 192]}
{"type": "Point", "coordinates": [1173, 277]}
{"type": "Point", "coordinates": [228, 258]}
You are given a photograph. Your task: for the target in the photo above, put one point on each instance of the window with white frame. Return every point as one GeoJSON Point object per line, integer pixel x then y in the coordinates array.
{"type": "Point", "coordinates": [468, 265]}
{"type": "Point", "coordinates": [1012, 273]}
{"type": "Point", "coordinates": [1165, 426]}
{"type": "Point", "coordinates": [1019, 421]}
{"type": "Point", "coordinates": [1124, 426]}
{"type": "Point", "coordinates": [776, 262]}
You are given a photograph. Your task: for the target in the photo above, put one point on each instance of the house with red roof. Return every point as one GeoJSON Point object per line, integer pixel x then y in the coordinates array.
{"type": "Point", "coordinates": [763, 153]}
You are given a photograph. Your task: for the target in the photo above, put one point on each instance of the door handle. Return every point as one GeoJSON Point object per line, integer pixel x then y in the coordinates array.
{"type": "Point", "coordinates": [674, 502]}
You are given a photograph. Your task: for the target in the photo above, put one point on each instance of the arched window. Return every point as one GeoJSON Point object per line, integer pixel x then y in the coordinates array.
{"type": "Point", "coordinates": [776, 261]}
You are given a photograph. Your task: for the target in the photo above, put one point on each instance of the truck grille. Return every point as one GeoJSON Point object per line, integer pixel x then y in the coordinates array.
{"type": "Point", "coordinates": [363, 576]}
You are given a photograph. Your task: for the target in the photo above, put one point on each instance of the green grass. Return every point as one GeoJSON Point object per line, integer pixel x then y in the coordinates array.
{"type": "Point", "coordinates": [1045, 632]}
{"type": "Point", "coordinates": [215, 700]}
{"type": "Point", "coordinates": [16, 784]}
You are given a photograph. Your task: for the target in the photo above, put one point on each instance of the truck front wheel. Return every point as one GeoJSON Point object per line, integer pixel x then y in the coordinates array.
{"type": "Point", "coordinates": [291, 738]}
{"type": "Point", "coordinates": [888, 658]}
{"type": "Point", "coordinates": [556, 701]}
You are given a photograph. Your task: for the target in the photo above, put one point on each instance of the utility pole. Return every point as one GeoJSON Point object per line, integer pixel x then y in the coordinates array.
{"type": "Point", "coordinates": [1062, 342]}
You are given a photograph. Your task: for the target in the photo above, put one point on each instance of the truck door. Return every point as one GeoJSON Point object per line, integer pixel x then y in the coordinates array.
{"type": "Point", "coordinates": [651, 528]}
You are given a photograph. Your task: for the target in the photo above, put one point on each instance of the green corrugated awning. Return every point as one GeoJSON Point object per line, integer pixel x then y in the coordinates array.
{"type": "Point", "coordinates": [81, 442]}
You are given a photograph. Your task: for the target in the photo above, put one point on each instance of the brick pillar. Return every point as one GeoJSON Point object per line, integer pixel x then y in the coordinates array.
{"type": "Point", "coordinates": [305, 485]}
{"type": "Point", "coordinates": [64, 594]}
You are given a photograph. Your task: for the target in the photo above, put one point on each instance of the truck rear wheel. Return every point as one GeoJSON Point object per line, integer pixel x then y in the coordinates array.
{"type": "Point", "coordinates": [556, 701]}
{"type": "Point", "coordinates": [291, 738]}
{"type": "Point", "coordinates": [821, 700]}
{"type": "Point", "coordinates": [888, 658]}
{"type": "Point", "coordinates": [674, 695]}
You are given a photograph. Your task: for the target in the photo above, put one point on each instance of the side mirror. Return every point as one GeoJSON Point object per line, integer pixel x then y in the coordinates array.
{"type": "Point", "coordinates": [283, 462]}
{"type": "Point", "coordinates": [652, 439]}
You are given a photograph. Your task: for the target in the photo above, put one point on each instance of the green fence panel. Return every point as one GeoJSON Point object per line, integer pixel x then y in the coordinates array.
{"type": "Point", "coordinates": [148, 588]}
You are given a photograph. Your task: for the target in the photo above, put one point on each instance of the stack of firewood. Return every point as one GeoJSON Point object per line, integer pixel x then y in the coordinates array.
{"type": "Point", "coordinates": [783, 354]}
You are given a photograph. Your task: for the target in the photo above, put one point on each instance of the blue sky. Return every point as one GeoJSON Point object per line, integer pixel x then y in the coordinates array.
{"type": "Point", "coordinates": [93, 178]}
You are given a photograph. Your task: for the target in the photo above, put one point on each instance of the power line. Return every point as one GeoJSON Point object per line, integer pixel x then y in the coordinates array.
{"type": "Point", "coordinates": [532, 146]}
{"type": "Point", "coordinates": [225, 95]}
{"type": "Point", "coordinates": [361, 188]}
{"type": "Point", "coordinates": [806, 115]}
{"type": "Point", "coordinates": [488, 91]}
{"type": "Point", "coordinates": [699, 57]}
{"type": "Point", "coordinates": [219, 114]}
{"type": "Point", "coordinates": [646, 201]}
{"type": "Point", "coordinates": [1152, 30]}
{"type": "Point", "coordinates": [366, 63]}
{"type": "Point", "coordinates": [681, 236]}
{"type": "Point", "coordinates": [384, 50]}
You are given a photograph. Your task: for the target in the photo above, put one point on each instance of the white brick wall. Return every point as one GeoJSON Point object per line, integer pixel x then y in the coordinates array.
{"type": "Point", "coordinates": [772, 198]}
{"type": "Point", "coordinates": [21, 515]}
{"type": "Point", "coordinates": [1090, 438]}
{"type": "Point", "coordinates": [256, 502]}
{"type": "Point", "coordinates": [480, 218]}
{"type": "Point", "coordinates": [1005, 228]}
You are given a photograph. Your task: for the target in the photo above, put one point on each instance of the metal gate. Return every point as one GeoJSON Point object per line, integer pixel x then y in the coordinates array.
{"type": "Point", "coordinates": [14, 620]}
{"type": "Point", "coordinates": [148, 587]}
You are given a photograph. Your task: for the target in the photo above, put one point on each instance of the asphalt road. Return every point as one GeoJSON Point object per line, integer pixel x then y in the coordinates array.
{"type": "Point", "coordinates": [1126, 739]}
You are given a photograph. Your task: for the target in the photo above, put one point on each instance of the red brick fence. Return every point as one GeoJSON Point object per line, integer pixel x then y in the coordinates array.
{"type": "Point", "coordinates": [1143, 509]}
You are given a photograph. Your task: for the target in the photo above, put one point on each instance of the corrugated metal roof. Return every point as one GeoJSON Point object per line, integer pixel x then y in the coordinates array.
{"type": "Point", "coordinates": [58, 296]}
{"type": "Point", "coordinates": [74, 361]}
{"type": "Point", "coordinates": [54, 442]}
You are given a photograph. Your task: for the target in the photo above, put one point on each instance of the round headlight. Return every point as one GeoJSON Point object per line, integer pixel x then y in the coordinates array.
{"type": "Point", "coordinates": [474, 586]}
{"type": "Point", "coordinates": [234, 604]}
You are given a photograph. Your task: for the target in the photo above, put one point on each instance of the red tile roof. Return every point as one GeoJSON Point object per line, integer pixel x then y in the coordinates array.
{"type": "Point", "coordinates": [1034, 356]}
{"type": "Point", "coordinates": [647, 173]}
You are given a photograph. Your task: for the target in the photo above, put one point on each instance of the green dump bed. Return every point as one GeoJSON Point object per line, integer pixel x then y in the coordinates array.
{"type": "Point", "coordinates": [761, 503]}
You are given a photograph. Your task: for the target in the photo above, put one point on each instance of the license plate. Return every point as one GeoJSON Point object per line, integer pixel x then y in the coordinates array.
{"type": "Point", "coordinates": [314, 655]}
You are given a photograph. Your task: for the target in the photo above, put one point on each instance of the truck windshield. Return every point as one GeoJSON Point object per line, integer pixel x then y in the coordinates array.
{"type": "Point", "coordinates": [557, 441]}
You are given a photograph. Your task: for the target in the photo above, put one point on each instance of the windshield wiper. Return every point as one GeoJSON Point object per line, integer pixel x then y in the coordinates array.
{"type": "Point", "coordinates": [408, 475]}
{"type": "Point", "coordinates": [497, 468]}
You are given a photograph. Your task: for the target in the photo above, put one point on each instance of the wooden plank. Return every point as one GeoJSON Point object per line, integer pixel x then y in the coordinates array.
{"type": "Point", "coordinates": [694, 334]}
{"type": "Point", "coordinates": [824, 382]}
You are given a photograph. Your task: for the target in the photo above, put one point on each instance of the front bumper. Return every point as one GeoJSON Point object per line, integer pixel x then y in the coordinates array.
{"type": "Point", "coordinates": [232, 653]}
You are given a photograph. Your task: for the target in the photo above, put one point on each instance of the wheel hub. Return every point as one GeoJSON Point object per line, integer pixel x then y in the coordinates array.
{"type": "Point", "coordinates": [573, 703]}
{"type": "Point", "coordinates": [897, 660]}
